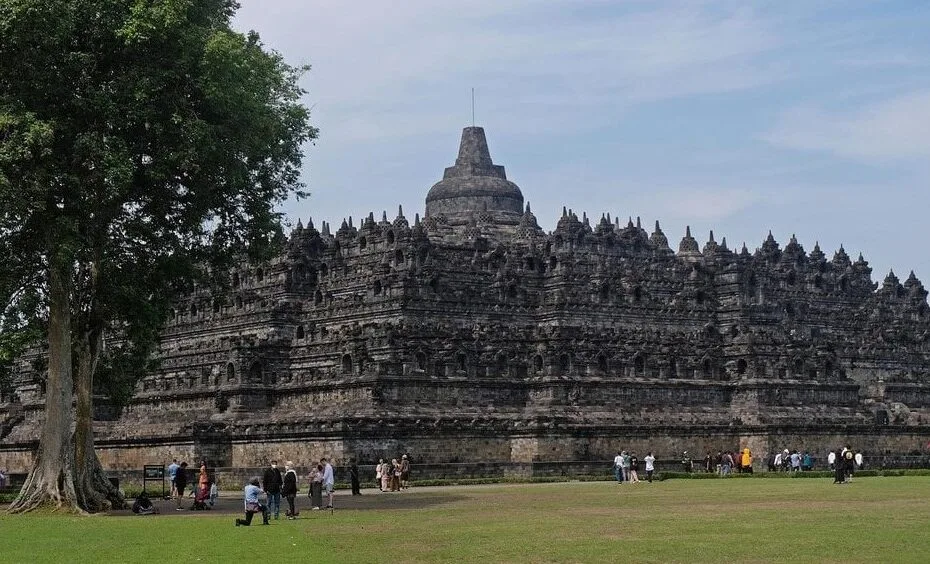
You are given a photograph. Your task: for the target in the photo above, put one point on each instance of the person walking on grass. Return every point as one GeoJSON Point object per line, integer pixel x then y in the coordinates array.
{"type": "Point", "coordinates": [272, 482]}
{"type": "Point", "coordinates": [289, 489]}
{"type": "Point", "coordinates": [650, 466]}
{"type": "Point", "coordinates": [250, 492]}
{"type": "Point", "coordinates": [618, 467]}
{"type": "Point", "coordinates": [180, 481]}
{"type": "Point", "coordinates": [634, 462]}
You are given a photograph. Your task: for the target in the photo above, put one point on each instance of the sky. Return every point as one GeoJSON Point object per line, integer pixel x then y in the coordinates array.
{"type": "Point", "coordinates": [806, 118]}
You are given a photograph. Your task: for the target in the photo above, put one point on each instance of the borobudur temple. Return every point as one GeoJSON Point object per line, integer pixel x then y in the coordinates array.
{"type": "Point", "coordinates": [473, 335]}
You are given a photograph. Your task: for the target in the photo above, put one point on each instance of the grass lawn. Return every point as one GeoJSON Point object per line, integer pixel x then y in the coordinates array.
{"type": "Point", "coordinates": [739, 520]}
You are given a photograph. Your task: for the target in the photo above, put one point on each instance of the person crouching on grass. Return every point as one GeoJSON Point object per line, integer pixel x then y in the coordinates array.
{"type": "Point", "coordinates": [252, 505]}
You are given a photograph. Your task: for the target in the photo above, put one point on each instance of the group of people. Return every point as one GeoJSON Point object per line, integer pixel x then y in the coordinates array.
{"type": "Point", "coordinates": [626, 467]}
{"type": "Point", "coordinates": [844, 465]}
{"type": "Point", "coordinates": [393, 476]}
{"type": "Point", "coordinates": [725, 462]}
{"type": "Point", "coordinates": [790, 461]}
{"type": "Point", "coordinates": [275, 484]}
{"type": "Point", "coordinates": [205, 492]}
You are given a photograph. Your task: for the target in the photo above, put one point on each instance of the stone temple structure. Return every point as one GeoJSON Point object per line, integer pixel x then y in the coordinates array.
{"type": "Point", "coordinates": [473, 335]}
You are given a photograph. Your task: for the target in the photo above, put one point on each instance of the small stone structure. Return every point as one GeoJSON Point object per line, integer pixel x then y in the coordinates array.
{"type": "Point", "coordinates": [474, 336]}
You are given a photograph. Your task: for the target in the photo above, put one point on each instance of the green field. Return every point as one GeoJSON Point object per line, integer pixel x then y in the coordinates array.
{"type": "Point", "coordinates": [806, 520]}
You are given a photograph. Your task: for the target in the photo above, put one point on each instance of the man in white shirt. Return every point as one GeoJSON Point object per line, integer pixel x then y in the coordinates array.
{"type": "Point", "coordinates": [650, 466]}
{"type": "Point", "coordinates": [329, 481]}
{"type": "Point", "coordinates": [831, 459]}
{"type": "Point", "coordinates": [618, 461]}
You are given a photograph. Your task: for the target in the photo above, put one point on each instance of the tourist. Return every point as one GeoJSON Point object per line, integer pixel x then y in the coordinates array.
{"type": "Point", "coordinates": [385, 475]}
{"type": "Point", "coordinates": [839, 471]}
{"type": "Point", "coordinates": [252, 505]}
{"type": "Point", "coordinates": [181, 483]}
{"type": "Point", "coordinates": [650, 466]}
{"type": "Point", "coordinates": [143, 505]}
{"type": "Point", "coordinates": [848, 462]}
{"type": "Point", "coordinates": [329, 482]}
{"type": "Point", "coordinates": [353, 478]}
{"type": "Point", "coordinates": [795, 461]}
{"type": "Point", "coordinates": [618, 467]}
{"type": "Point", "coordinates": [289, 489]}
{"type": "Point", "coordinates": [203, 481]}
{"type": "Point", "coordinates": [404, 472]}
{"type": "Point", "coordinates": [2, 479]}
{"type": "Point", "coordinates": [378, 474]}
{"type": "Point", "coordinates": [214, 493]}
{"type": "Point", "coordinates": [777, 462]}
{"type": "Point", "coordinates": [395, 475]}
{"type": "Point", "coordinates": [807, 462]}
{"type": "Point", "coordinates": [785, 460]}
{"type": "Point", "coordinates": [831, 460]}
{"type": "Point", "coordinates": [746, 461]}
{"type": "Point", "coordinates": [625, 465]}
{"type": "Point", "coordinates": [859, 460]}
{"type": "Point", "coordinates": [172, 474]}
{"type": "Point", "coordinates": [708, 463]}
{"type": "Point", "coordinates": [634, 462]}
{"type": "Point", "coordinates": [315, 478]}
{"type": "Point", "coordinates": [727, 463]}
{"type": "Point", "coordinates": [271, 482]}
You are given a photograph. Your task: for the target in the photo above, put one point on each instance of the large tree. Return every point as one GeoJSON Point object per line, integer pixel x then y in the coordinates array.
{"type": "Point", "coordinates": [143, 143]}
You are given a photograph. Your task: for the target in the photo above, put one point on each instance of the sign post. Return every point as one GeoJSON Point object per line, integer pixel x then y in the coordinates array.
{"type": "Point", "coordinates": [153, 473]}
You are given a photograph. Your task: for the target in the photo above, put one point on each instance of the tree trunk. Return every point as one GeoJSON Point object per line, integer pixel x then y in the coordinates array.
{"type": "Point", "coordinates": [94, 490]}
{"type": "Point", "coordinates": [50, 482]}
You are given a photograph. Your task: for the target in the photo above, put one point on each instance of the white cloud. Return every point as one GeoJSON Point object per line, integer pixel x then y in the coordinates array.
{"type": "Point", "coordinates": [896, 128]}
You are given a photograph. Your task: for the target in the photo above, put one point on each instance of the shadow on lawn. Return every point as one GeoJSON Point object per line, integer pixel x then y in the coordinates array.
{"type": "Point", "coordinates": [374, 500]}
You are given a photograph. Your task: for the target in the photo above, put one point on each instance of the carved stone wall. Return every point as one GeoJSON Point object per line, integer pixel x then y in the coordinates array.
{"type": "Point", "coordinates": [473, 335]}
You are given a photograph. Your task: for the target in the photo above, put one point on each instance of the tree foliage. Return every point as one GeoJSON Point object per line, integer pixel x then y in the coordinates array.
{"type": "Point", "coordinates": [143, 144]}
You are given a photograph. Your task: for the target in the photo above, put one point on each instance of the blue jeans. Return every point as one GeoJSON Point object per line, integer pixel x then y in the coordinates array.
{"type": "Point", "coordinates": [617, 474]}
{"type": "Point", "coordinates": [274, 504]}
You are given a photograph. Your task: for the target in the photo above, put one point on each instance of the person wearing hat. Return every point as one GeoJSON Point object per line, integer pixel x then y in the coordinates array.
{"type": "Point", "coordinates": [404, 472]}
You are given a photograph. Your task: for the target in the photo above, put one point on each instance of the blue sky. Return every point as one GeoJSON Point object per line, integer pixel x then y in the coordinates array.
{"type": "Point", "coordinates": [807, 118]}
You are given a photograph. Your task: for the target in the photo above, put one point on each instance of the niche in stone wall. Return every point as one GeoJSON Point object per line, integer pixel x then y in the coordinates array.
{"type": "Point", "coordinates": [672, 368]}
{"type": "Point", "coordinates": [881, 418]}
{"type": "Point", "coordinates": [537, 364]}
{"type": "Point", "coordinates": [420, 360]}
{"type": "Point", "coordinates": [828, 370]}
{"type": "Point", "coordinates": [299, 334]}
{"type": "Point", "coordinates": [461, 361]}
{"type": "Point", "coordinates": [398, 257]}
{"type": "Point", "coordinates": [255, 373]}
{"type": "Point", "coordinates": [565, 363]}
{"type": "Point", "coordinates": [500, 364]}
{"type": "Point", "coordinates": [230, 373]}
{"type": "Point", "coordinates": [362, 242]}
{"type": "Point", "coordinates": [259, 274]}
{"type": "Point", "coordinates": [376, 287]}
{"type": "Point", "coordinates": [639, 366]}
{"type": "Point", "coordinates": [741, 366]}
{"type": "Point", "coordinates": [602, 366]}
{"type": "Point", "coordinates": [204, 376]}
{"type": "Point", "coordinates": [193, 310]}
{"type": "Point", "coordinates": [347, 364]}
{"type": "Point", "coordinates": [390, 237]}
{"type": "Point", "coordinates": [707, 369]}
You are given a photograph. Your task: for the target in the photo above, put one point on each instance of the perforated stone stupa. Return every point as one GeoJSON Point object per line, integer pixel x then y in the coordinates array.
{"type": "Point", "coordinates": [473, 335]}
